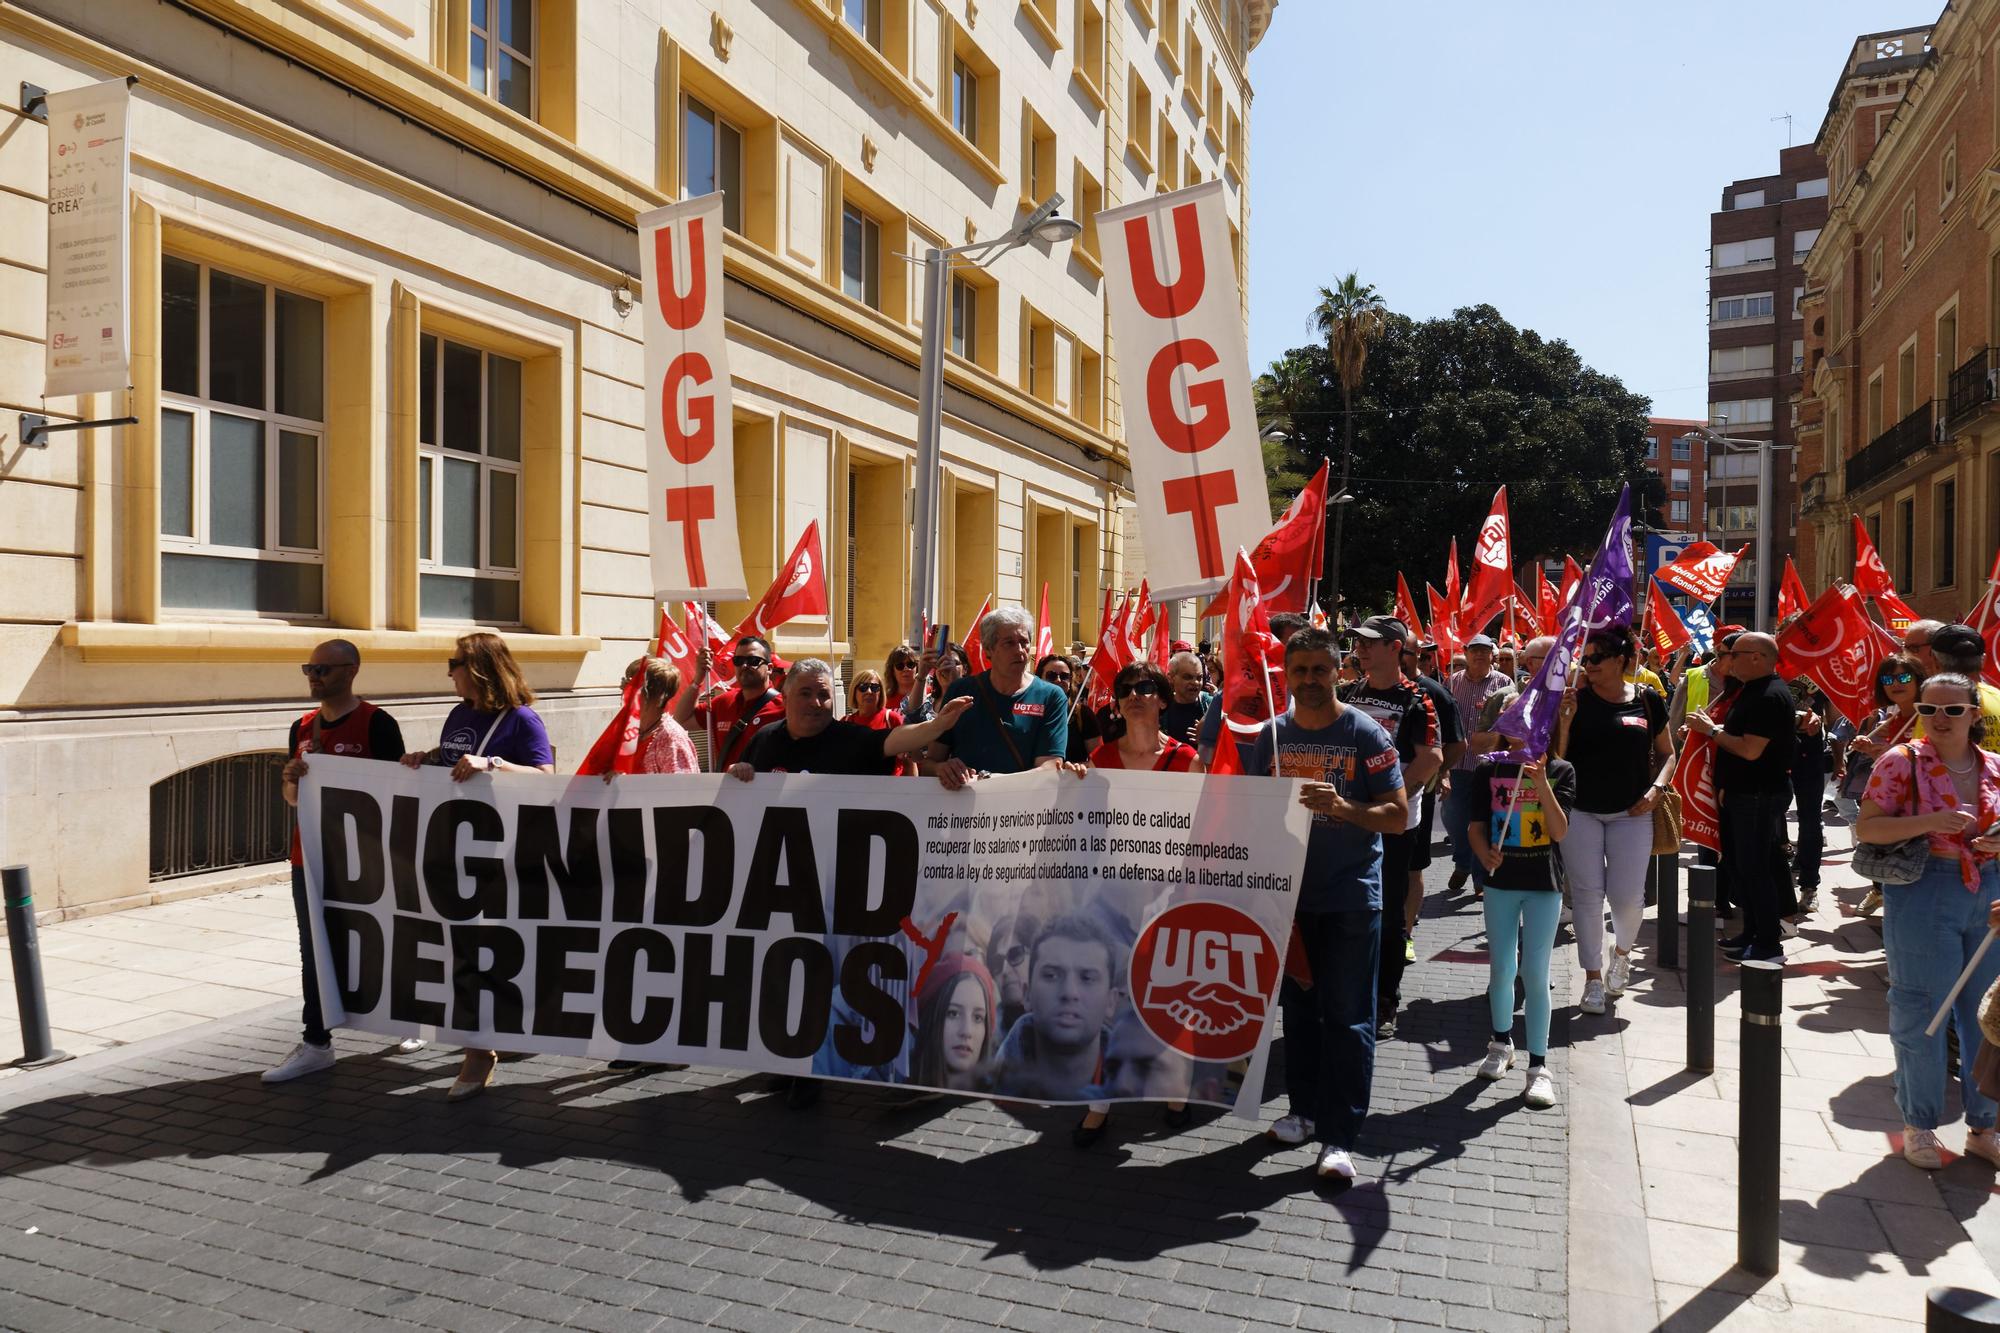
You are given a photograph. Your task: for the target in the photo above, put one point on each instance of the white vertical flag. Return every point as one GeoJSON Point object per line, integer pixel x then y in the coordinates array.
{"type": "Point", "coordinates": [90, 252]}
{"type": "Point", "coordinates": [1190, 420]}
{"type": "Point", "coordinates": [690, 448]}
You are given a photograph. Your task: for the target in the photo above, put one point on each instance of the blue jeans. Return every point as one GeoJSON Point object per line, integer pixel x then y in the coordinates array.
{"type": "Point", "coordinates": [1330, 1027]}
{"type": "Point", "coordinates": [1929, 931]}
{"type": "Point", "coordinates": [1523, 922]}
{"type": "Point", "coordinates": [1457, 818]}
{"type": "Point", "coordinates": [312, 1020]}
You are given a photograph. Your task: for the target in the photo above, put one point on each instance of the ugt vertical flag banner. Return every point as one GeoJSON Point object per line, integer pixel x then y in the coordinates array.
{"type": "Point", "coordinates": [90, 252]}
{"type": "Point", "coordinates": [690, 446]}
{"type": "Point", "coordinates": [1190, 422]}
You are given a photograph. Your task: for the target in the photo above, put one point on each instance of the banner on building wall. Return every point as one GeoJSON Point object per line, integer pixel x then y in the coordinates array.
{"type": "Point", "coordinates": [1190, 421]}
{"type": "Point", "coordinates": [1038, 936]}
{"type": "Point", "coordinates": [90, 268]}
{"type": "Point", "coordinates": [690, 445]}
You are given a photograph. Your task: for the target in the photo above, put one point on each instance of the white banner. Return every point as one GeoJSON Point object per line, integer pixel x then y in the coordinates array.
{"type": "Point", "coordinates": [690, 446]}
{"type": "Point", "coordinates": [90, 341]}
{"type": "Point", "coordinates": [1039, 936]}
{"type": "Point", "coordinates": [1190, 420]}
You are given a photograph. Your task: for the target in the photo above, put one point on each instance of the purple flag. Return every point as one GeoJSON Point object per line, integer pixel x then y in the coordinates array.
{"type": "Point", "coordinates": [1604, 597]}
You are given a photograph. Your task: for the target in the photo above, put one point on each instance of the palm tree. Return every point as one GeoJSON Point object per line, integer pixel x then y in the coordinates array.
{"type": "Point", "coordinates": [1284, 393]}
{"type": "Point", "coordinates": [1349, 317]}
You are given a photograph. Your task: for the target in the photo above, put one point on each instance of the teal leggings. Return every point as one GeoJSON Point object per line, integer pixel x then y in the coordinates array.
{"type": "Point", "coordinates": [1521, 922]}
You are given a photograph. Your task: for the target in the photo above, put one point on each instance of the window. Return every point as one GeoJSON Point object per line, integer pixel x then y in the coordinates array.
{"type": "Point", "coordinates": [1906, 379]}
{"type": "Point", "coordinates": [500, 58]}
{"type": "Point", "coordinates": [861, 257]}
{"type": "Point", "coordinates": [1798, 300]}
{"type": "Point", "coordinates": [468, 483]}
{"type": "Point", "coordinates": [1170, 28]}
{"type": "Point", "coordinates": [1756, 305]}
{"type": "Point", "coordinates": [1139, 119]}
{"type": "Point", "coordinates": [1906, 541]}
{"type": "Point", "coordinates": [1740, 361]}
{"type": "Point", "coordinates": [1169, 159]}
{"type": "Point", "coordinates": [1075, 584]}
{"type": "Point", "coordinates": [965, 319]}
{"type": "Point", "coordinates": [1875, 270]}
{"type": "Point", "coordinates": [1090, 46]}
{"type": "Point", "coordinates": [1948, 174]}
{"type": "Point", "coordinates": [1874, 405]}
{"type": "Point", "coordinates": [1802, 243]}
{"type": "Point", "coordinates": [1038, 354]}
{"type": "Point", "coordinates": [242, 444]}
{"type": "Point", "coordinates": [1798, 355]}
{"type": "Point", "coordinates": [711, 160]}
{"type": "Point", "coordinates": [1812, 189]}
{"type": "Point", "coordinates": [1677, 511]}
{"type": "Point", "coordinates": [1909, 224]}
{"type": "Point", "coordinates": [1038, 157]}
{"type": "Point", "coordinates": [1741, 412]}
{"type": "Point", "coordinates": [1191, 46]}
{"type": "Point", "coordinates": [1945, 357]}
{"type": "Point", "coordinates": [1683, 481]}
{"type": "Point", "coordinates": [1216, 108]}
{"type": "Point", "coordinates": [1090, 388]}
{"type": "Point", "coordinates": [1748, 199]}
{"type": "Point", "coordinates": [1089, 203]}
{"type": "Point", "coordinates": [1683, 449]}
{"type": "Point", "coordinates": [1652, 448]}
{"type": "Point", "coordinates": [865, 17]}
{"type": "Point", "coordinates": [1753, 253]}
{"type": "Point", "coordinates": [964, 99]}
{"type": "Point", "coordinates": [1944, 534]}
{"type": "Point", "coordinates": [1236, 141]}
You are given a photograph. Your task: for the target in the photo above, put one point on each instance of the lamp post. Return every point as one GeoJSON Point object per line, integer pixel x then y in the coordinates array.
{"type": "Point", "coordinates": [1761, 619]}
{"type": "Point", "coordinates": [1041, 225]}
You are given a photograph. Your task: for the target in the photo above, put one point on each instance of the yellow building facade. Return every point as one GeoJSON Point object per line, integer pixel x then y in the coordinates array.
{"type": "Point", "coordinates": [387, 369]}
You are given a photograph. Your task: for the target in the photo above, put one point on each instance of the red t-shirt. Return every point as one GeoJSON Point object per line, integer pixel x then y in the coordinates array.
{"type": "Point", "coordinates": [1174, 759]}
{"type": "Point", "coordinates": [726, 708]}
{"type": "Point", "coordinates": [367, 731]}
{"type": "Point", "coordinates": [887, 719]}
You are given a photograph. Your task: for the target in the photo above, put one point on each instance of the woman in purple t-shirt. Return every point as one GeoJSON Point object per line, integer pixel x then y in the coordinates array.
{"type": "Point", "coordinates": [491, 730]}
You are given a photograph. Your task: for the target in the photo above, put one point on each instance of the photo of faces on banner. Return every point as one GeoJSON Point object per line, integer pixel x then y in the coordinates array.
{"type": "Point", "coordinates": [1028, 1000]}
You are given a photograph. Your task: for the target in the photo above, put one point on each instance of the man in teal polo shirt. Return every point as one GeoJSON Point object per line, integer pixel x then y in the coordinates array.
{"type": "Point", "coordinates": [1017, 722]}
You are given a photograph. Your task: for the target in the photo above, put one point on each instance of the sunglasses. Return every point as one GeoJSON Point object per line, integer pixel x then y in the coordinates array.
{"type": "Point", "coordinates": [455, 664]}
{"type": "Point", "coordinates": [319, 670]}
{"type": "Point", "coordinates": [743, 663]}
{"type": "Point", "coordinates": [1949, 710]}
{"type": "Point", "coordinates": [1057, 677]}
{"type": "Point", "coordinates": [1592, 659]}
{"type": "Point", "coordinates": [1897, 678]}
{"type": "Point", "coordinates": [1148, 688]}
{"type": "Point", "coordinates": [867, 689]}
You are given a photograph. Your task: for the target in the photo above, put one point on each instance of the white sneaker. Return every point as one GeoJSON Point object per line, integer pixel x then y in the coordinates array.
{"type": "Point", "coordinates": [1593, 997]}
{"type": "Point", "coordinates": [408, 1045]}
{"type": "Point", "coordinates": [1335, 1162]}
{"type": "Point", "coordinates": [1618, 974]}
{"type": "Point", "coordinates": [1541, 1088]}
{"type": "Point", "coordinates": [1291, 1129]}
{"type": "Point", "coordinates": [1922, 1149]}
{"type": "Point", "coordinates": [305, 1058]}
{"type": "Point", "coordinates": [1983, 1144]}
{"type": "Point", "coordinates": [1499, 1059]}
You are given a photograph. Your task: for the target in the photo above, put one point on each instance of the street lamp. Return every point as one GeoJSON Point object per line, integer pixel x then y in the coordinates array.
{"type": "Point", "coordinates": [1764, 450]}
{"type": "Point", "coordinates": [1044, 226]}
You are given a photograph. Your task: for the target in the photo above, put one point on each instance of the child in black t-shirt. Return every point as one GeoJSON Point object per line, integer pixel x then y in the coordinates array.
{"type": "Point", "coordinates": [1520, 813]}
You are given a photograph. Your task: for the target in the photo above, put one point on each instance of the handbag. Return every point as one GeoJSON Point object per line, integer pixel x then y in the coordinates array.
{"type": "Point", "coordinates": [1897, 862]}
{"type": "Point", "coordinates": [1667, 823]}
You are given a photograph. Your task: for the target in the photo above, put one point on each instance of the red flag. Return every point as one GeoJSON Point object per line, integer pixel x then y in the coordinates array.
{"type": "Point", "coordinates": [798, 590]}
{"type": "Point", "coordinates": [1872, 578]}
{"type": "Point", "coordinates": [1109, 657]}
{"type": "Point", "coordinates": [1548, 609]}
{"type": "Point", "coordinates": [1442, 632]}
{"type": "Point", "coordinates": [975, 651]}
{"type": "Point", "coordinates": [675, 647]}
{"type": "Point", "coordinates": [1838, 646]}
{"type": "Point", "coordinates": [1701, 571]}
{"type": "Point", "coordinates": [1249, 650]}
{"type": "Point", "coordinates": [1163, 641]}
{"type": "Point", "coordinates": [702, 626]}
{"type": "Point", "coordinates": [1454, 596]}
{"type": "Point", "coordinates": [1670, 635]}
{"type": "Point", "coordinates": [1791, 592]}
{"type": "Point", "coordinates": [617, 749]}
{"type": "Point", "coordinates": [1572, 577]}
{"type": "Point", "coordinates": [1492, 569]}
{"type": "Point", "coordinates": [1694, 779]}
{"type": "Point", "coordinates": [1987, 621]}
{"type": "Point", "coordinates": [1045, 633]}
{"type": "Point", "coordinates": [1406, 607]}
{"type": "Point", "coordinates": [1138, 620]}
{"type": "Point", "coordinates": [1291, 554]}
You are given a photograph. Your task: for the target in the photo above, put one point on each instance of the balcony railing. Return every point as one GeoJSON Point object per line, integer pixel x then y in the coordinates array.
{"type": "Point", "coordinates": [1973, 384]}
{"type": "Point", "coordinates": [1887, 451]}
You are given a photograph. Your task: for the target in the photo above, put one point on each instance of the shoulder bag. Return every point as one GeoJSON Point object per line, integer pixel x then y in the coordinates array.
{"type": "Point", "coordinates": [1897, 862]}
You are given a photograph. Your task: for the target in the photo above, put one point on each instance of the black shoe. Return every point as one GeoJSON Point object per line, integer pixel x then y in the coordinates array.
{"type": "Point", "coordinates": [1087, 1136]}
{"type": "Point", "coordinates": [1457, 880]}
{"type": "Point", "coordinates": [1177, 1118]}
{"type": "Point", "coordinates": [1735, 942]}
{"type": "Point", "coordinates": [1760, 956]}
{"type": "Point", "coordinates": [1735, 953]}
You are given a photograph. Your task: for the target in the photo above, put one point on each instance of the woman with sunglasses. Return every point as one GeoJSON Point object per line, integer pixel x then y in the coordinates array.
{"type": "Point", "coordinates": [1065, 675]}
{"type": "Point", "coordinates": [871, 712]}
{"type": "Point", "coordinates": [1139, 691]}
{"type": "Point", "coordinates": [492, 729]}
{"type": "Point", "coordinates": [899, 675]}
{"type": "Point", "coordinates": [1898, 679]}
{"type": "Point", "coordinates": [950, 666]}
{"type": "Point", "coordinates": [1615, 735]}
{"type": "Point", "coordinates": [1945, 788]}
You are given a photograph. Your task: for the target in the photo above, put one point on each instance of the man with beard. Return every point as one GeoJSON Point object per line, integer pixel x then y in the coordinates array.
{"type": "Point", "coordinates": [736, 714]}
{"type": "Point", "coordinates": [1056, 1051]}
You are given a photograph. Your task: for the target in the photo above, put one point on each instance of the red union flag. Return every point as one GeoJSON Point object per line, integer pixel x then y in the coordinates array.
{"type": "Point", "coordinates": [1694, 779]}
{"type": "Point", "coordinates": [1669, 634]}
{"type": "Point", "coordinates": [1871, 576]}
{"type": "Point", "coordinates": [1190, 422]}
{"type": "Point", "coordinates": [1986, 617]}
{"type": "Point", "coordinates": [1701, 571]}
{"type": "Point", "coordinates": [1045, 633]}
{"type": "Point", "coordinates": [1406, 608]}
{"type": "Point", "coordinates": [1548, 607]}
{"type": "Point", "coordinates": [1492, 569]}
{"type": "Point", "coordinates": [1249, 654]}
{"type": "Point", "coordinates": [1443, 631]}
{"type": "Point", "coordinates": [1838, 646]}
{"type": "Point", "coordinates": [798, 590]}
{"type": "Point", "coordinates": [1792, 597]}
{"type": "Point", "coordinates": [1290, 556]}
{"type": "Point", "coordinates": [690, 451]}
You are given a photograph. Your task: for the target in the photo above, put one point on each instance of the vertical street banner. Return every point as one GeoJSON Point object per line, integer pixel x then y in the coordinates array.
{"type": "Point", "coordinates": [690, 445]}
{"type": "Point", "coordinates": [1037, 936]}
{"type": "Point", "coordinates": [1190, 421]}
{"type": "Point", "coordinates": [90, 252]}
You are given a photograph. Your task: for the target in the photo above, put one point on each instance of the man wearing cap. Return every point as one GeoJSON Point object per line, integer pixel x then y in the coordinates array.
{"type": "Point", "coordinates": [1405, 712]}
{"type": "Point", "coordinates": [1471, 689]}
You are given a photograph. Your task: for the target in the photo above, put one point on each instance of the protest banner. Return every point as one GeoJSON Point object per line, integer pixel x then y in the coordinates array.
{"type": "Point", "coordinates": [1190, 420]}
{"type": "Point", "coordinates": [1037, 936]}
{"type": "Point", "coordinates": [690, 447]}
{"type": "Point", "coordinates": [89, 287]}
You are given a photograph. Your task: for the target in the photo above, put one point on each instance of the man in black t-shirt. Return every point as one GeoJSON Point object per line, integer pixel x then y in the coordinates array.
{"type": "Point", "coordinates": [1753, 773]}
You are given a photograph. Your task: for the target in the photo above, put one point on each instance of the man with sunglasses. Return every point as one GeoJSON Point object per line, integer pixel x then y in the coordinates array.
{"type": "Point", "coordinates": [338, 724]}
{"type": "Point", "coordinates": [736, 713]}
{"type": "Point", "coordinates": [1753, 773]}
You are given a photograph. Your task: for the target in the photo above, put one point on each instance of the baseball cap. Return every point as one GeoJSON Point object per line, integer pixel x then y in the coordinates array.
{"type": "Point", "coordinates": [1180, 646]}
{"type": "Point", "coordinates": [1958, 641]}
{"type": "Point", "coordinates": [1479, 641]}
{"type": "Point", "coordinates": [1383, 627]}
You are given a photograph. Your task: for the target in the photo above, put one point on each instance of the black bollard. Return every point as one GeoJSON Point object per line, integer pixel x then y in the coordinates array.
{"type": "Point", "coordinates": [1759, 1100]}
{"type": "Point", "coordinates": [37, 1047]}
{"type": "Point", "coordinates": [1701, 969]}
{"type": "Point", "coordinates": [1666, 872]}
{"type": "Point", "coordinates": [1959, 1310]}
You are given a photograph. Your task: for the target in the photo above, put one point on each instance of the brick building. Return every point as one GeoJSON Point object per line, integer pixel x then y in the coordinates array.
{"type": "Point", "coordinates": [1895, 421]}
{"type": "Point", "coordinates": [1758, 242]}
{"type": "Point", "coordinates": [1678, 460]}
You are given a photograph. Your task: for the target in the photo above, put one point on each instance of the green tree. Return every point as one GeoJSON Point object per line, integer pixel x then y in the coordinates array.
{"type": "Point", "coordinates": [1349, 317]}
{"type": "Point", "coordinates": [1450, 410]}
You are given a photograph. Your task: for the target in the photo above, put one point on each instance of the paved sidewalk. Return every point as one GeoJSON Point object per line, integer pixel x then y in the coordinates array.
{"type": "Point", "coordinates": [1863, 1234]}
{"type": "Point", "coordinates": [161, 1185]}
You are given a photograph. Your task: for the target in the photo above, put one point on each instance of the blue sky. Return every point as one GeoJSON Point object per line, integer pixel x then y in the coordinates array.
{"type": "Point", "coordinates": [1561, 167]}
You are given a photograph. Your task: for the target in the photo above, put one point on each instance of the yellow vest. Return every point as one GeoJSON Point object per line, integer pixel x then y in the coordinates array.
{"type": "Point", "coordinates": [1697, 683]}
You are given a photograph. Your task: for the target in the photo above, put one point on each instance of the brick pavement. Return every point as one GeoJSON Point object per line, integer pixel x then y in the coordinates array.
{"type": "Point", "coordinates": [162, 1186]}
